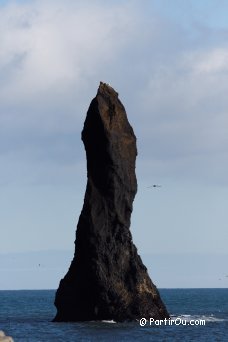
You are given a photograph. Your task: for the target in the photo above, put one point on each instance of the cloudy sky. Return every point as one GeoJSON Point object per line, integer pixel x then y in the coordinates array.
{"type": "Point", "coordinates": [168, 60]}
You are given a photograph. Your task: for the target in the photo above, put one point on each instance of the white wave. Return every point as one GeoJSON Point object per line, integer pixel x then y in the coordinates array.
{"type": "Point", "coordinates": [207, 318]}
{"type": "Point", "coordinates": [107, 321]}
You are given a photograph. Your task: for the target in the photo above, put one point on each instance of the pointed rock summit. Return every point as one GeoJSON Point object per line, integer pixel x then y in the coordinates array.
{"type": "Point", "coordinates": [107, 279]}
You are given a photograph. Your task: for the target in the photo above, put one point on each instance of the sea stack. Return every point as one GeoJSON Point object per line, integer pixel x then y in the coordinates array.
{"type": "Point", "coordinates": [107, 279]}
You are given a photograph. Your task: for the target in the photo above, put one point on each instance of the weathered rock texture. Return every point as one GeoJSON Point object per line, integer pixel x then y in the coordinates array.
{"type": "Point", "coordinates": [107, 279]}
{"type": "Point", "coordinates": [4, 338]}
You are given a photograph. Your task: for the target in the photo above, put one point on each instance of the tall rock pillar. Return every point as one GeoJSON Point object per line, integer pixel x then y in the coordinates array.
{"type": "Point", "coordinates": [107, 279]}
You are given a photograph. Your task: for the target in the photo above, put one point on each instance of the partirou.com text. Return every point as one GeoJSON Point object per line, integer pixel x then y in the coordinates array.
{"type": "Point", "coordinates": [171, 321]}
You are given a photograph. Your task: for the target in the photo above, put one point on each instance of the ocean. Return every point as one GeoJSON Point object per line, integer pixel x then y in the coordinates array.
{"type": "Point", "coordinates": [197, 315]}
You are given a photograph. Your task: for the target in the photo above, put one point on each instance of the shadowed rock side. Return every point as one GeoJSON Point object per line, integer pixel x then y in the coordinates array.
{"type": "Point", "coordinates": [107, 279]}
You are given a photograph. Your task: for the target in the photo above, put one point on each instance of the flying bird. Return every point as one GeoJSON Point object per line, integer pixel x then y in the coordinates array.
{"type": "Point", "coordinates": [154, 186]}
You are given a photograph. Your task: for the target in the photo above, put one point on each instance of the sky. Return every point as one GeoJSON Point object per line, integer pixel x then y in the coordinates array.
{"type": "Point", "coordinates": [168, 60]}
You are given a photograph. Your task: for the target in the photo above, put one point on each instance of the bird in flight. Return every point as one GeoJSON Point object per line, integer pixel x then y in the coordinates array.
{"type": "Point", "coordinates": [154, 186]}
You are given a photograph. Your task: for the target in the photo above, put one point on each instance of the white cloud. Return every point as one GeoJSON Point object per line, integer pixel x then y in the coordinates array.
{"type": "Point", "coordinates": [51, 52]}
{"type": "Point", "coordinates": [213, 61]}
{"type": "Point", "coordinates": [187, 101]}
{"type": "Point", "coordinates": [49, 43]}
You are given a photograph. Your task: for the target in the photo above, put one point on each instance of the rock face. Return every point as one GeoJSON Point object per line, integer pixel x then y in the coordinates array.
{"type": "Point", "coordinates": [107, 279]}
{"type": "Point", "coordinates": [4, 338]}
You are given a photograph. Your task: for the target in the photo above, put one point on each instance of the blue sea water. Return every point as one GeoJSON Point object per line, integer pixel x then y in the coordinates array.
{"type": "Point", "coordinates": [26, 316]}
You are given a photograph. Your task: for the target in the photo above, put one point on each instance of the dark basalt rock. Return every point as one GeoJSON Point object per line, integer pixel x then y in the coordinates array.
{"type": "Point", "coordinates": [107, 279]}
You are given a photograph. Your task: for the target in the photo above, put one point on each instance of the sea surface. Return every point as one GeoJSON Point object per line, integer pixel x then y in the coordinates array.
{"type": "Point", "coordinates": [27, 316]}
